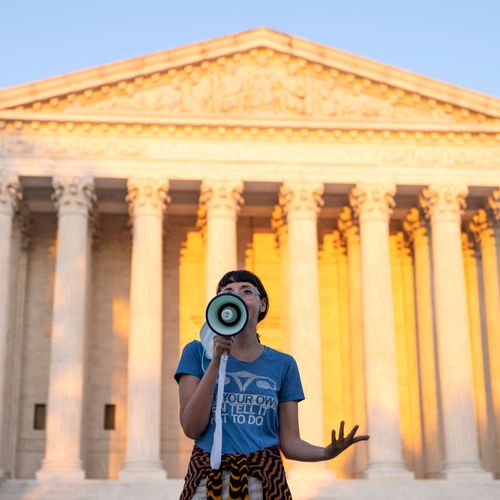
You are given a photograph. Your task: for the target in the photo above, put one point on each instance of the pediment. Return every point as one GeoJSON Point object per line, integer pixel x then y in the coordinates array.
{"type": "Point", "coordinates": [253, 78]}
{"type": "Point", "coordinates": [258, 84]}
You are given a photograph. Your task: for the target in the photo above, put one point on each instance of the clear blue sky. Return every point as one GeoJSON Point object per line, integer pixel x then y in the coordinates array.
{"type": "Point", "coordinates": [456, 41]}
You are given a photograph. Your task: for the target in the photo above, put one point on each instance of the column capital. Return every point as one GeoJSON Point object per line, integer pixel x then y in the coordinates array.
{"type": "Point", "coordinates": [403, 243]}
{"type": "Point", "coordinates": [414, 224]}
{"type": "Point", "coordinates": [75, 195]}
{"type": "Point", "coordinates": [10, 193]}
{"type": "Point", "coordinates": [374, 201]}
{"type": "Point", "coordinates": [469, 246]}
{"type": "Point", "coordinates": [278, 224]}
{"type": "Point", "coordinates": [95, 228]}
{"type": "Point", "coordinates": [494, 203]}
{"type": "Point", "coordinates": [481, 225]}
{"type": "Point", "coordinates": [444, 201]}
{"type": "Point", "coordinates": [24, 223]}
{"type": "Point", "coordinates": [219, 197]}
{"type": "Point", "coordinates": [221, 194]}
{"type": "Point", "coordinates": [300, 196]}
{"type": "Point", "coordinates": [339, 242]}
{"type": "Point", "coordinates": [147, 196]}
{"type": "Point", "coordinates": [347, 223]}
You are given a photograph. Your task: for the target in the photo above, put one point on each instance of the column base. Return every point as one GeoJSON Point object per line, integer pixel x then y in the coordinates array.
{"type": "Point", "coordinates": [466, 472]}
{"type": "Point", "coordinates": [60, 472]}
{"type": "Point", "coordinates": [138, 471]}
{"type": "Point", "coordinates": [309, 479]}
{"type": "Point", "coordinates": [387, 470]}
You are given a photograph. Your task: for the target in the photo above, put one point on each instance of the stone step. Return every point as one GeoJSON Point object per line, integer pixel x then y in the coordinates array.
{"type": "Point", "coordinates": [334, 490]}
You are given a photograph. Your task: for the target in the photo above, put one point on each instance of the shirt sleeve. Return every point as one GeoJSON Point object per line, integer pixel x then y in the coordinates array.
{"type": "Point", "coordinates": [191, 361]}
{"type": "Point", "coordinates": [291, 387]}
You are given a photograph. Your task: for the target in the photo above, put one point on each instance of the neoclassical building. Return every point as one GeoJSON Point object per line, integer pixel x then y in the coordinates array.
{"type": "Point", "coordinates": [367, 199]}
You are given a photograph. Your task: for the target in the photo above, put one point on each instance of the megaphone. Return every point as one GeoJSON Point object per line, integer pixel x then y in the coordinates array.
{"type": "Point", "coordinates": [226, 315]}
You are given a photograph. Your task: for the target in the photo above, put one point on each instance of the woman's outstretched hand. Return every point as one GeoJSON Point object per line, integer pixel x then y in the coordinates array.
{"type": "Point", "coordinates": [338, 445]}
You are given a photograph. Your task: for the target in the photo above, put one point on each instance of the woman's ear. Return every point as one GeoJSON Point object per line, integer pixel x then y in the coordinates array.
{"type": "Point", "coordinates": [263, 305]}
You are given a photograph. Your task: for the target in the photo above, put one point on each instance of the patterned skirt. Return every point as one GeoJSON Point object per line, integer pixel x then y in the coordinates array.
{"type": "Point", "coordinates": [265, 465]}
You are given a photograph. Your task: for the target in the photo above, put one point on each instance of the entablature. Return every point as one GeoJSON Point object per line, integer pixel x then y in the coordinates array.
{"type": "Point", "coordinates": [406, 159]}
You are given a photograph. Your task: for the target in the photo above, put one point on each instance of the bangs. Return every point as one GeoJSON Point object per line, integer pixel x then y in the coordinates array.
{"type": "Point", "coordinates": [242, 275]}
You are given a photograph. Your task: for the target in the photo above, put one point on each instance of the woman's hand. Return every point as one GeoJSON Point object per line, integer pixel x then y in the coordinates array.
{"type": "Point", "coordinates": [295, 448]}
{"type": "Point", "coordinates": [222, 345]}
{"type": "Point", "coordinates": [337, 446]}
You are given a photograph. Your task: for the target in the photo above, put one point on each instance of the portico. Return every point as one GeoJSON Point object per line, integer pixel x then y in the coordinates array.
{"type": "Point", "coordinates": [346, 185]}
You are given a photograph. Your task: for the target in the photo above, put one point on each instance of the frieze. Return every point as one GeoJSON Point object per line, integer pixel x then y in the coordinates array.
{"type": "Point", "coordinates": [260, 83]}
{"type": "Point", "coordinates": [18, 145]}
{"type": "Point", "coordinates": [106, 147]}
{"type": "Point", "coordinates": [74, 146]}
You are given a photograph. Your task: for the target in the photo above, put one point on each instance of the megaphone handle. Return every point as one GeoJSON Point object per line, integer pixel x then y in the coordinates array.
{"type": "Point", "coordinates": [216, 453]}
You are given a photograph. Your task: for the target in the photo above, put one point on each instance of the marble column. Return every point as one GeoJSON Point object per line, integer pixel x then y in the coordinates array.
{"type": "Point", "coordinates": [482, 226]}
{"type": "Point", "coordinates": [147, 199]}
{"type": "Point", "coordinates": [416, 229]}
{"type": "Point", "coordinates": [482, 395]}
{"type": "Point", "coordinates": [22, 234]}
{"type": "Point", "coordinates": [349, 228]}
{"type": "Point", "coordinates": [280, 229]}
{"type": "Point", "coordinates": [444, 205]}
{"type": "Point", "coordinates": [373, 204]}
{"type": "Point", "coordinates": [301, 203]}
{"type": "Point", "coordinates": [220, 202]}
{"type": "Point", "coordinates": [494, 207]}
{"type": "Point", "coordinates": [10, 194]}
{"type": "Point", "coordinates": [74, 198]}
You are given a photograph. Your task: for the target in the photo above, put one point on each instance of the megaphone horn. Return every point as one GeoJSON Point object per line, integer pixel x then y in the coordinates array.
{"type": "Point", "coordinates": [227, 314]}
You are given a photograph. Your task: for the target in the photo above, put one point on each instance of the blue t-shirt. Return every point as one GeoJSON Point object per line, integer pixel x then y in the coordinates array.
{"type": "Point", "coordinates": [252, 393]}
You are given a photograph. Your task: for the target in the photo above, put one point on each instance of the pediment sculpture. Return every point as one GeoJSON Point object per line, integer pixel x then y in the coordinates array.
{"type": "Point", "coordinates": [258, 85]}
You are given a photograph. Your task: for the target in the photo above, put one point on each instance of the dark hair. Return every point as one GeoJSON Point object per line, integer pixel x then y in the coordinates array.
{"type": "Point", "coordinates": [248, 277]}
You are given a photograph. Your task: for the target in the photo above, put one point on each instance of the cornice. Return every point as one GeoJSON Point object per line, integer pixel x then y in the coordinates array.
{"type": "Point", "coordinates": [105, 124]}
{"type": "Point", "coordinates": [231, 45]}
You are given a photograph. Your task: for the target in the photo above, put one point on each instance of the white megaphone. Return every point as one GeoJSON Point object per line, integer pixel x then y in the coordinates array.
{"type": "Point", "coordinates": [226, 315]}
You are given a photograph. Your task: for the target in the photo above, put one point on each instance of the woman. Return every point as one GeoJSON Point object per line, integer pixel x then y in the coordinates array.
{"type": "Point", "coordinates": [260, 409]}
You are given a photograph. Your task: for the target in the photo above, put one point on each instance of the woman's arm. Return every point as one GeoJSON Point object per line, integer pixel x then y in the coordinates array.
{"type": "Point", "coordinates": [195, 395]}
{"type": "Point", "coordinates": [295, 448]}
{"type": "Point", "coordinates": [195, 398]}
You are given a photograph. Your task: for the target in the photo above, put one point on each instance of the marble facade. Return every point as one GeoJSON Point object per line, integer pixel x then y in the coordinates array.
{"type": "Point", "coordinates": [366, 197]}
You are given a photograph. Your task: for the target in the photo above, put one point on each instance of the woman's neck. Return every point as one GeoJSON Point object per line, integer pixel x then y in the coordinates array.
{"type": "Point", "coordinates": [246, 347]}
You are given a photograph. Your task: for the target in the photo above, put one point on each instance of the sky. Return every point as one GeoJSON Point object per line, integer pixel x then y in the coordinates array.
{"type": "Point", "coordinates": [454, 41]}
